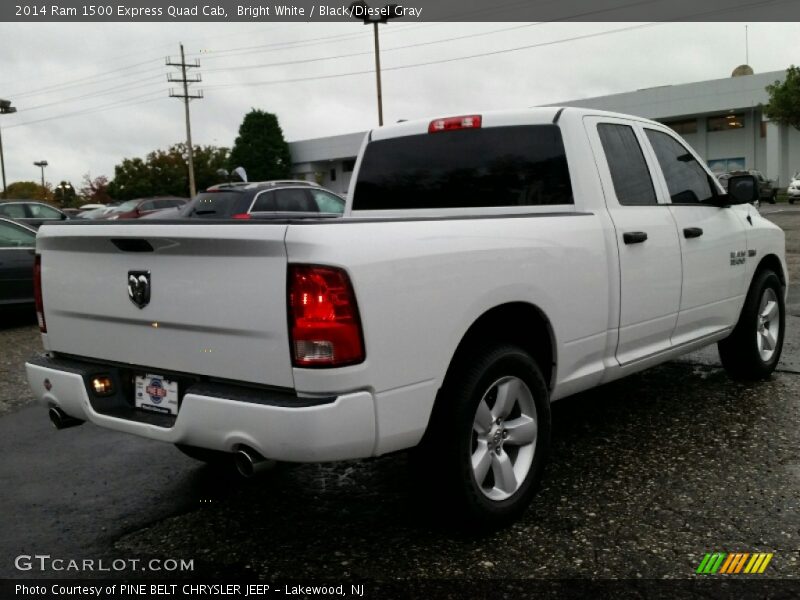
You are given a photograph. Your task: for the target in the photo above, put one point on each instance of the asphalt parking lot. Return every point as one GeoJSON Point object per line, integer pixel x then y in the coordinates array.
{"type": "Point", "coordinates": [646, 475]}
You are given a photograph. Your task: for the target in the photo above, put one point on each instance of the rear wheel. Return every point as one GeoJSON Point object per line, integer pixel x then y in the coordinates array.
{"type": "Point", "coordinates": [753, 350]}
{"type": "Point", "coordinates": [486, 446]}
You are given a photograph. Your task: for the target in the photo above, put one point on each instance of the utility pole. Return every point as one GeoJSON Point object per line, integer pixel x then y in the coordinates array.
{"type": "Point", "coordinates": [186, 96]}
{"type": "Point", "coordinates": [360, 10]}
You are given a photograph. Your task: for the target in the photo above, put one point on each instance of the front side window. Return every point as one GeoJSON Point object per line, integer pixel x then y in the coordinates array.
{"type": "Point", "coordinates": [687, 180]}
{"type": "Point", "coordinates": [42, 211]}
{"type": "Point", "coordinates": [469, 168]}
{"type": "Point", "coordinates": [629, 173]}
{"type": "Point", "coordinates": [12, 236]}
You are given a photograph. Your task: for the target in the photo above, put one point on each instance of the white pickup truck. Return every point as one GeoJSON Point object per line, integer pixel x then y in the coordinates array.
{"type": "Point", "coordinates": [485, 266]}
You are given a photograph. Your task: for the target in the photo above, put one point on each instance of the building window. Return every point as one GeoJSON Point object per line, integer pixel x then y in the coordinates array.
{"type": "Point", "coordinates": [333, 174]}
{"type": "Point", "coordinates": [763, 129]}
{"type": "Point", "coordinates": [683, 126]}
{"type": "Point", "coordinates": [732, 121]}
{"type": "Point", "coordinates": [349, 165]}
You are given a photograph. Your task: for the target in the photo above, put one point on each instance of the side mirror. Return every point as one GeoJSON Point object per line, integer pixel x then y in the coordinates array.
{"type": "Point", "coordinates": [742, 189]}
{"type": "Point", "coordinates": [64, 216]}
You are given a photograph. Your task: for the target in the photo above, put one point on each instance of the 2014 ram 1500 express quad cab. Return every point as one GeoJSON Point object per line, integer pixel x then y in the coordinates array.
{"type": "Point", "coordinates": [485, 266]}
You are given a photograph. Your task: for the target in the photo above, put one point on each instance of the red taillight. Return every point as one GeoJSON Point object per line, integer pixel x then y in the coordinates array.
{"type": "Point", "coordinates": [37, 292]}
{"type": "Point", "coordinates": [451, 123]}
{"type": "Point", "coordinates": [241, 216]}
{"type": "Point", "coordinates": [323, 317]}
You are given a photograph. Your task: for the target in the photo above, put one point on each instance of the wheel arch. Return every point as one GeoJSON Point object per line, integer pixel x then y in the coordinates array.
{"type": "Point", "coordinates": [772, 262]}
{"type": "Point", "coordinates": [520, 323]}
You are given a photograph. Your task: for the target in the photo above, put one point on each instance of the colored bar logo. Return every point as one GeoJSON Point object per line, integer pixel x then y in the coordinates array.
{"type": "Point", "coordinates": [724, 563]}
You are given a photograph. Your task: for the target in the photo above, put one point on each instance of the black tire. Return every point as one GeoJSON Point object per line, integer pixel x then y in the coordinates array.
{"type": "Point", "coordinates": [215, 458]}
{"type": "Point", "coordinates": [739, 352]}
{"type": "Point", "coordinates": [446, 453]}
{"type": "Point", "coordinates": [791, 200]}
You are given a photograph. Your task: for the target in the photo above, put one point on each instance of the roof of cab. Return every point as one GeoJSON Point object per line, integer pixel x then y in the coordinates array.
{"type": "Point", "coordinates": [499, 118]}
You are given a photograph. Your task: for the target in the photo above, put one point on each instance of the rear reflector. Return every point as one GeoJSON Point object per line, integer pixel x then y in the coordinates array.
{"type": "Point", "coordinates": [323, 317]}
{"type": "Point", "coordinates": [37, 292]}
{"type": "Point", "coordinates": [451, 123]}
{"type": "Point", "coordinates": [241, 216]}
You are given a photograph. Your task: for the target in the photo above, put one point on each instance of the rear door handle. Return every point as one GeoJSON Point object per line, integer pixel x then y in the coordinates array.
{"type": "Point", "coordinates": [692, 232]}
{"type": "Point", "coordinates": [634, 237]}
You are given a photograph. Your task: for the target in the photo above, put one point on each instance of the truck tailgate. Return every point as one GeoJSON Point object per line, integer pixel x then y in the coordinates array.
{"type": "Point", "coordinates": [217, 297]}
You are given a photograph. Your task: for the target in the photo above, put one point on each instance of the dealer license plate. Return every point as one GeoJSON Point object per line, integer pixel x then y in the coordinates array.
{"type": "Point", "coordinates": [156, 394]}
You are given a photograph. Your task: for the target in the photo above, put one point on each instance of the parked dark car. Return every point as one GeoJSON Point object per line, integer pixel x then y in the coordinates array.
{"type": "Point", "coordinates": [133, 209]}
{"type": "Point", "coordinates": [30, 212]}
{"type": "Point", "coordinates": [264, 198]}
{"type": "Point", "coordinates": [767, 191]}
{"type": "Point", "coordinates": [17, 250]}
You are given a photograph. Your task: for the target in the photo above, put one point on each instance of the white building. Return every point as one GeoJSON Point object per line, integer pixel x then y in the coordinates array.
{"type": "Point", "coordinates": [720, 118]}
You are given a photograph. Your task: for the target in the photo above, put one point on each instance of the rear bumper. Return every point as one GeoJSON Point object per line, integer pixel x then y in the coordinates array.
{"type": "Point", "coordinates": [278, 425]}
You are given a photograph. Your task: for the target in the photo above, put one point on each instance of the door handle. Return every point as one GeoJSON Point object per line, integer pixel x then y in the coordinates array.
{"type": "Point", "coordinates": [692, 232]}
{"type": "Point", "coordinates": [634, 237]}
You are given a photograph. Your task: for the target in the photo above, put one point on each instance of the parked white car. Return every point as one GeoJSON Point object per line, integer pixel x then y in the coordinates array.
{"type": "Point", "coordinates": [485, 266]}
{"type": "Point", "coordinates": [793, 191]}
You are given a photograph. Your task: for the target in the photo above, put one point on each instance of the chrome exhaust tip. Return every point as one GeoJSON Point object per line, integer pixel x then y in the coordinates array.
{"type": "Point", "coordinates": [249, 462]}
{"type": "Point", "coordinates": [62, 420]}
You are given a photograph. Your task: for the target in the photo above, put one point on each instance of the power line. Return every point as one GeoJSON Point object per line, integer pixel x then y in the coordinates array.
{"type": "Point", "coordinates": [96, 109]}
{"type": "Point", "coordinates": [131, 85]}
{"type": "Point", "coordinates": [370, 52]}
{"type": "Point", "coordinates": [440, 61]}
{"type": "Point", "coordinates": [81, 81]}
{"type": "Point", "coordinates": [496, 52]}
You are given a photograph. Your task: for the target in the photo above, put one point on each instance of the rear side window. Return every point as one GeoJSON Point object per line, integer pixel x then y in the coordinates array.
{"type": "Point", "coordinates": [42, 211]}
{"type": "Point", "coordinates": [217, 205]}
{"type": "Point", "coordinates": [687, 181]}
{"type": "Point", "coordinates": [629, 173]}
{"type": "Point", "coordinates": [328, 203]}
{"type": "Point", "coordinates": [285, 200]}
{"type": "Point", "coordinates": [13, 211]}
{"type": "Point", "coordinates": [492, 167]}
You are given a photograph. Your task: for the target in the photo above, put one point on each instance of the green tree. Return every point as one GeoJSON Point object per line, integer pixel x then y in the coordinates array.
{"type": "Point", "coordinates": [260, 148]}
{"type": "Point", "coordinates": [784, 99]}
{"type": "Point", "coordinates": [28, 190]}
{"type": "Point", "coordinates": [166, 172]}
{"type": "Point", "coordinates": [65, 195]}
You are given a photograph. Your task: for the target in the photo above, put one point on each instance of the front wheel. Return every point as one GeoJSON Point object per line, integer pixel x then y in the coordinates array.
{"type": "Point", "coordinates": [486, 446]}
{"type": "Point", "coordinates": [753, 350]}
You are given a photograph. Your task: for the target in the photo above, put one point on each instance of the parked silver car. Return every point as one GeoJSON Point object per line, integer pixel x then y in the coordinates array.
{"type": "Point", "coordinates": [31, 212]}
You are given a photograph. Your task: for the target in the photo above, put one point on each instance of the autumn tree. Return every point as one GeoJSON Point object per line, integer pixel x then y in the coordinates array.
{"type": "Point", "coordinates": [260, 148]}
{"type": "Point", "coordinates": [95, 191]}
{"type": "Point", "coordinates": [28, 190]}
